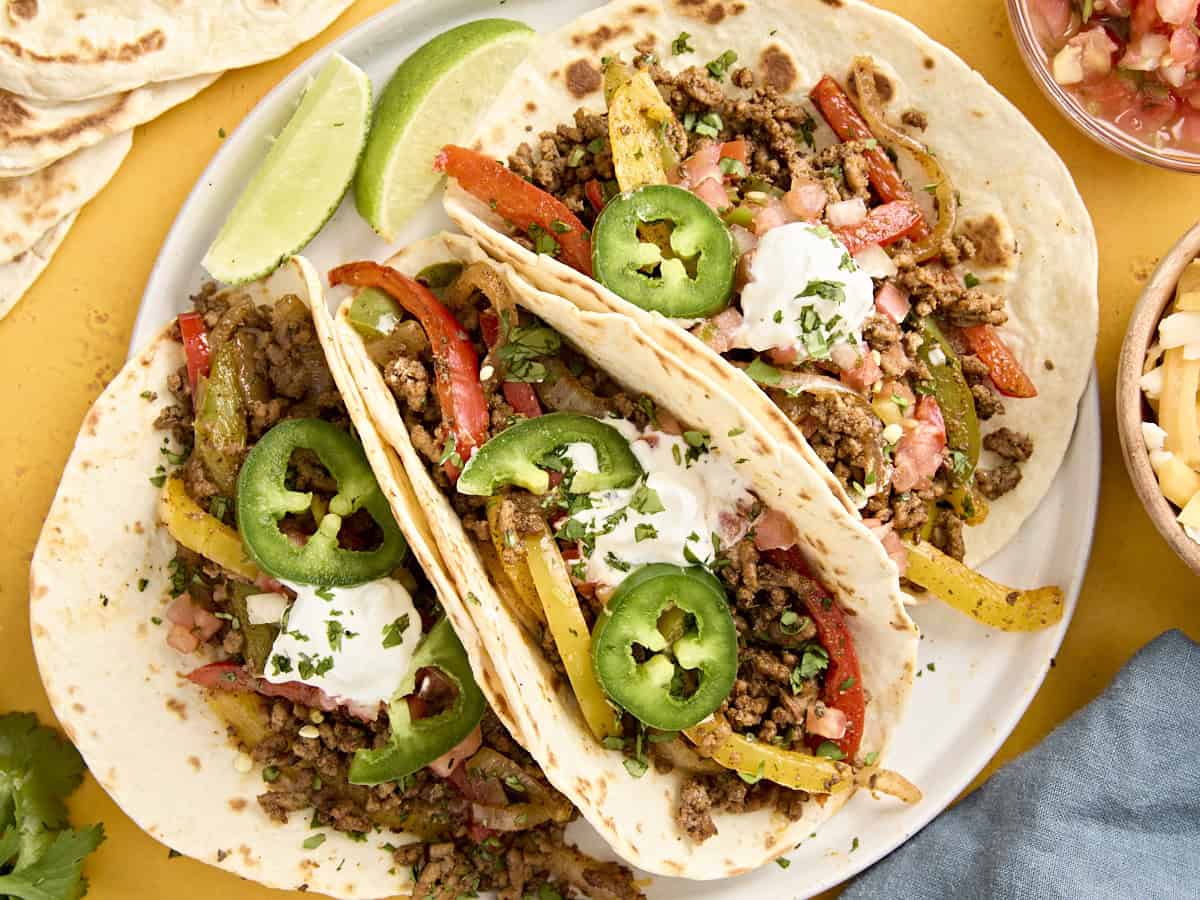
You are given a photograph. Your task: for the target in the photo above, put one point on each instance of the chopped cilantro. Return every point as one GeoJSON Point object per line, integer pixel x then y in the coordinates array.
{"type": "Point", "coordinates": [833, 291]}
{"type": "Point", "coordinates": [783, 862]}
{"type": "Point", "coordinates": [619, 564]}
{"type": "Point", "coordinates": [324, 593]}
{"type": "Point", "coordinates": [646, 501]}
{"type": "Point", "coordinates": [523, 348]}
{"type": "Point", "coordinates": [450, 454]}
{"type": "Point", "coordinates": [830, 750]}
{"type": "Point", "coordinates": [680, 44]}
{"type": "Point", "coordinates": [970, 280]}
{"type": "Point", "coordinates": [636, 767]}
{"type": "Point", "coordinates": [764, 373]}
{"type": "Point", "coordinates": [719, 66]}
{"type": "Point", "coordinates": [847, 684]}
{"type": "Point", "coordinates": [544, 243]}
{"type": "Point", "coordinates": [644, 532]}
{"type": "Point", "coordinates": [313, 842]}
{"type": "Point", "coordinates": [756, 777]}
{"type": "Point", "coordinates": [709, 125]}
{"type": "Point", "coordinates": [808, 125]}
{"type": "Point", "coordinates": [142, 582]}
{"type": "Point", "coordinates": [871, 758]}
{"type": "Point", "coordinates": [393, 633]}
{"type": "Point", "coordinates": [814, 661]}
{"type": "Point", "coordinates": [734, 167]}
{"type": "Point", "coordinates": [734, 432]}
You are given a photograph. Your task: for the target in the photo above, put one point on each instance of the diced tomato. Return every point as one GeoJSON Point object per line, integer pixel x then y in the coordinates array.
{"type": "Point", "coordinates": [737, 150]}
{"type": "Point", "coordinates": [772, 214]}
{"type": "Point", "coordinates": [843, 688]}
{"type": "Point", "coordinates": [718, 332]}
{"type": "Point", "coordinates": [919, 454]}
{"type": "Point", "coordinates": [1003, 366]}
{"type": "Point", "coordinates": [1052, 20]}
{"type": "Point", "coordinates": [892, 302]}
{"type": "Point", "coordinates": [864, 373]}
{"type": "Point", "coordinates": [1177, 12]}
{"type": "Point", "coordinates": [784, 356]}
{"type": "Point", "coordinates": [519, 202]}
{"type": "Point", "coordinates": [884, 226]}
{"type": "Point", "coordinates": [701, 166]}
{"type": "Point", "coordinates": [595, 194]}
{"type": "Point", "coordinates": [195, 345]}
{"type": "Point", "coordinates": [1184, 45]}
{"type": "Point", "coordinates": [713, 193]}
{"type": "Point", "coordinates": [774, 531]}
{"type": "Point", "coordinates": [806, 199]}
{"type": "Point", "coordinates": [825, 721]}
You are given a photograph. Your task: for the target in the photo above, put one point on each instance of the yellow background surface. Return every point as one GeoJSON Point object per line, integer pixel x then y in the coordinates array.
{"type": "Point", "coordinates": [68, 338]}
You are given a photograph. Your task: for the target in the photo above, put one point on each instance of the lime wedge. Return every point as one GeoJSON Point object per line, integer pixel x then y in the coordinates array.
{"type": "Point", "coordinates": [433, 99]}
{"type": "Point", "coordinates": [298, 186]}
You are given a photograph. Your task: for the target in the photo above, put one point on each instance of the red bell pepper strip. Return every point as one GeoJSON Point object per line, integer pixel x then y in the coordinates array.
{"type": "Point", "coordinates": [232, 676]}
{"type": "Point", "coordinates": [519, 202]}
{"type": "Point", "coordinates": [456, 364]}
{"type": "Point", "coordinates": [849, 125]}
{"type": "Point", "coordinates": [884, 225]}
{"type": "Point", "coordinates": [195, 345]}
{"type": "Point", "coordinates": [520, 396]}
{"type": "Point", "coordinates": [595, 194]}
{"type": "Point", "coordinates": [1006, 372]}
{"type": "Point", "coordinates": [843, 679]}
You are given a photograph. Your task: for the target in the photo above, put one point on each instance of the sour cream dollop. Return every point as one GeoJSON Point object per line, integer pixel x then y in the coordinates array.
{"type": "Point", "coordinates": [335, 640]}
{"type": "Point", "coordinates": [690, 494]}
{"type": "Point", "coordinates": [805, 292]}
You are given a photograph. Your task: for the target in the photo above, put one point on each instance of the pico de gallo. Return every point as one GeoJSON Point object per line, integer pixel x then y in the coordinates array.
{"type": "Point", "coordinates": [784, 236]}
{"type": "Point", "coordinates": [1133, 63]}
{"type": "Point", "coordinates": [671, 598]}
{"type": "Point", "coordinates": [296, 610]}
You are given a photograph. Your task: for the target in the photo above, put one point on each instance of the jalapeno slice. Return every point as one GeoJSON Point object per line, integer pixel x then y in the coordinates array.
{"type": "Point", "coordinates": [263, 498]}
{"type": "Point", "coordinates": [694, 281]}
{"type": "Point", "coordinates": [514, 455]}
{"type": "Point", "coordinates": [415, 743]}
{"type": "Point", "coordinates": [681, 620]}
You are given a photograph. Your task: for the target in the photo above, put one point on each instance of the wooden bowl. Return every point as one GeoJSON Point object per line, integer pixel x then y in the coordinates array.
{"type": "Point", "coordinates": [1132, 408]}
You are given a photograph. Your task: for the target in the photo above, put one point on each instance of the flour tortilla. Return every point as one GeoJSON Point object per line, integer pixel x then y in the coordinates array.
{"type": "Point", "coordinates": [636, 816]}
{"type": "Point", "coordinates": [147, 734]}
{"type": "Point", "coordinates": [33, 204]}
{"type": "Point", "coordinates": [75, 49]}
{"type": "Point", "coordinates": [18, 275]}
{"type": "Point", "coordinates": [35, 133]}
{"type": "Point", "coordinates": [1000, 165]}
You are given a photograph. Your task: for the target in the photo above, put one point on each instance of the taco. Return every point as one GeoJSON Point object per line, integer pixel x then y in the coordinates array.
{"type": "Point", "coordinates": [705, 651]}
{"type": "Point", "coordinates": [231, 628]}
{"type": "Point", "coordinates": [828, 215]}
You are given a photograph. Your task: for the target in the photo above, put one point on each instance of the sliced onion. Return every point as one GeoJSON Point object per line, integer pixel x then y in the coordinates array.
{"type": "Point", "coordinates": [445, 764]}
{"type": "Point", "coordinates": [806, 199]}
{"type": "Point", "coordinates": [266, 609]}
{"type": "Point", "coordinates": [517, 817]}
{"type": "Point", "coordinates": [875, 261]}
{"type": "Point", "coordinates": [680, 755]}
{"type": "Point", "coordinates": [743, 238]}
{"type": "Point", "coordinates": [947, 198]}
{"type": "Point", "coordinates": [774, 531]}
{"type": "Point", "coordinates": [847, 213]}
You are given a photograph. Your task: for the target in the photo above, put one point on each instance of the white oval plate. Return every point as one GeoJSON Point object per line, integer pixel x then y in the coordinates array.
{"type": "Point", "coordinates": [979, 682]}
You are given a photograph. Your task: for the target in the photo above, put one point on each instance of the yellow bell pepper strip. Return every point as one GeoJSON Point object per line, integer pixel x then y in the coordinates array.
{"type": "Point", "coordinates": [570, 632]}
{"type": "Point", "coordinates": [519, 579]}
{"type": "Point", "coordinates": [798, 771]}
{"type": "Point", "coordinates": [202, 533]}
{"type": "Point", "coordinates": [639, 121]}
{"type": "Point", "coordinates": [1177, 406]}
{"type": "Point", "coordinates": [980, 598]}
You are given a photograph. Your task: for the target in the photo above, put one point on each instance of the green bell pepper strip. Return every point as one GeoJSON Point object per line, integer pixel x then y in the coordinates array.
{"type": "Point", "coordinates": [707, 646]}
{"type": "Point", "coordinates": [263, 499]}
{"type": "Point", "coordinates": [953, 395]}
{"type": "Point", "coordinates": [637, 270]}
{"type": "Point", "coordinates": [513, 456]}
{"type": "Point", "coordinates": [221, 421]}
{"type": "Point", "coordinates": [415, 743]}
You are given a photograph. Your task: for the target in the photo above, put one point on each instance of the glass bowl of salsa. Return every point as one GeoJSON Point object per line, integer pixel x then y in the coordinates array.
{"type": "Point", "coordinates": [1126, 72]}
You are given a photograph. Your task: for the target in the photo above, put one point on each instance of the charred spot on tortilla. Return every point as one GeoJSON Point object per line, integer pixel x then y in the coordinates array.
{"type": "Point", "coordinates": [530, 106]}
{"type": "Point", "coordinates": [601, 36]}
{"type": "Point", "coordinates": [914, 118]}
{"type": "Point", "coordinates": [836, 4]}
{"type": "Point", "coordinates": [1049, 364]}
{"type": "Point", "coordinates": [128, 52]}
{"type": "Point", "coordinates": [776, 68]}
{"type": "Point", "coordinates": [237, 804]}
{"type": "Point", "coordinates": [194, 762]}
{"type": "Point", "coordinates": [994, 244]}
{"type": "Point", "coordinates": [12, 111]}
{"type": "Point", "coordinates": [21, 9]}
{"type": "Point", "coordinates": [582, 78]}
{"type": "Point", "coordinates": [716, 14]}
{"type": "Point", "coordinates": [178, 707]}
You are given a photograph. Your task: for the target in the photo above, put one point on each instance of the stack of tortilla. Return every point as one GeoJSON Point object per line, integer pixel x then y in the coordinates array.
{"type": "Point", "coordinates": [76, 77]}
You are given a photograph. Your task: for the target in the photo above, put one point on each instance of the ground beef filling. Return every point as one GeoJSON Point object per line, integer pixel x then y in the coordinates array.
{"type": "Point", "coordinates": [847, 436]}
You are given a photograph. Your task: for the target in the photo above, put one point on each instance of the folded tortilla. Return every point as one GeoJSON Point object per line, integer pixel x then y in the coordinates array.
{"type": "Point", "coordinates": [636, 816]}
{"type": "Point", "coordinates": [147, 734]}
{"type": "Point", "coordinates": [1007, 176]}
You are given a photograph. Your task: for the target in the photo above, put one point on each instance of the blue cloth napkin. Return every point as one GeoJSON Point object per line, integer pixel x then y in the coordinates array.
{"type": "Point", "coordinates": [1107, 806]}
